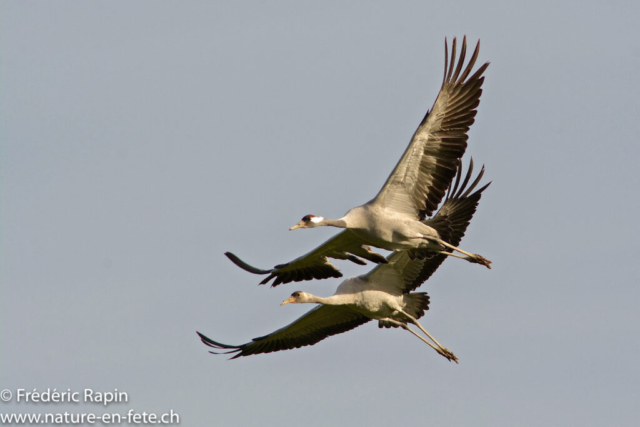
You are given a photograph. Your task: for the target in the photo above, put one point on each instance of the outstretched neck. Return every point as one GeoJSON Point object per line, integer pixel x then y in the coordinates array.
{"type": "Point", "coordinates": [339, 223]}
{"type": "Point", "coordinates": [332, 300]}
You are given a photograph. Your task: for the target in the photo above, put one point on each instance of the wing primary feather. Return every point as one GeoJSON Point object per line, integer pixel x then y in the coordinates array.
{"type": "Point", "coordinates": [265, 281]}
{"type": "Point", "coordinates": [475, 183]}
{"type": "Point", "coordinates": [356, 260]}
{"type": "Point", "coordinates": [463, 51]}
{"type": "Point", "coordinates": [480, 71]}
{"type": "Point", "coordinates": [455, 187]}
{"type": "Point", "coordinates": [446, 61]}
{"type": "Point", "coordinates": [211, 343]}
{"type": "Point", "coordinates": [243, 265]}
{"type": "Point", "coordinates": [468, 176]}
{"type": "Point", "coordinates": [471, 63]}
{"type": "Point", "coordinates": [453, 59]}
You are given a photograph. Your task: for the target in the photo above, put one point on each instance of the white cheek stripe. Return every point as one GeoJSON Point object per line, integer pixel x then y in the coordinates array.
{"type": "Point", "coordinates": [317, 219]}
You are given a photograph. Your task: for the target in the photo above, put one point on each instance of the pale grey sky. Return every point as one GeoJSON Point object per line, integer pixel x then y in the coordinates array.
{"type": "Point", "coordinates": [141, 140]}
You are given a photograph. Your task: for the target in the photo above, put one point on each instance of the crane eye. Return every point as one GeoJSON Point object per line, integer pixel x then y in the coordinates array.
{"type": "Point", "coordinates": [307, 218]}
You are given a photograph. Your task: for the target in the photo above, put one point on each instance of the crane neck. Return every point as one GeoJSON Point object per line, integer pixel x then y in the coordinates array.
{"type": "Point", "coordinates": [339, 223]}
{"type": "Point", "coordinates": [332, 300]}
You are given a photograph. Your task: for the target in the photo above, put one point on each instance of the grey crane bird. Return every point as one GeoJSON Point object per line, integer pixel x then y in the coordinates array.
{"type": "Point", "coordinates": [384, 294]}
{"type": "Point", "coordinates": [396, 218]}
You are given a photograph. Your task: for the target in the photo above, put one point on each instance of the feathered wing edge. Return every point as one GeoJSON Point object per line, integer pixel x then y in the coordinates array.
{"type": "Point", "coordinates": [317, 324]}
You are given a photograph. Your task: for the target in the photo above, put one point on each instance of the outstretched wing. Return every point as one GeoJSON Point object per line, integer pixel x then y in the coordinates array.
{"type": "Point", "coordinates": [315, 325]}
{"type": "Point", "coordinates": [419, 181]}
{"type": "Point", "coordinates": [402, 274]}
{"type": "Point", "coordinates": [316, 264]}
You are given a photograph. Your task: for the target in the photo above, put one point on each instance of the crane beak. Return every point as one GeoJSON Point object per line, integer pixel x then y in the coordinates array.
{"type": "Point", "coordinates": [301, 224]}
{"type": "Point", "coordinates": [288, 300]}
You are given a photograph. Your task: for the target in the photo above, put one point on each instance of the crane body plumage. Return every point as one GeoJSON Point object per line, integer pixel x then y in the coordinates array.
{"type": "Point", "coordinates": [390, 230]}
{"type": "Point", "coordinates": [372, 299]}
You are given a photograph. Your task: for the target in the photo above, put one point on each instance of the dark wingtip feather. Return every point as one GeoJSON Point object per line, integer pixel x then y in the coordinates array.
{"type": "Point", "coordinates": [452, 62]}
{"type": "Point", "coordinates": [463, 52]}
{"type": "Point", "coordinates": [446, 61]}
{"type": "Point", "coordinates": [466, 178]}
{"type": "Point", "coordinates": [243, 265]}
{"type": "Point", "coordinates": [217, 345]}
{"type": "Point", "coordinates": [472, 62]}
{"type": "Point", "coordinates": [355, 260]}
{"type": "Point", "coordinates": [474, 184]}
{"type": "Point", "coordinates": [211, 343]}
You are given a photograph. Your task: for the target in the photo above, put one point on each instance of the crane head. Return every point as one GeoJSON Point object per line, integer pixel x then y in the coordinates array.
{"type": "Point", "coordinates": [308, 221]}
